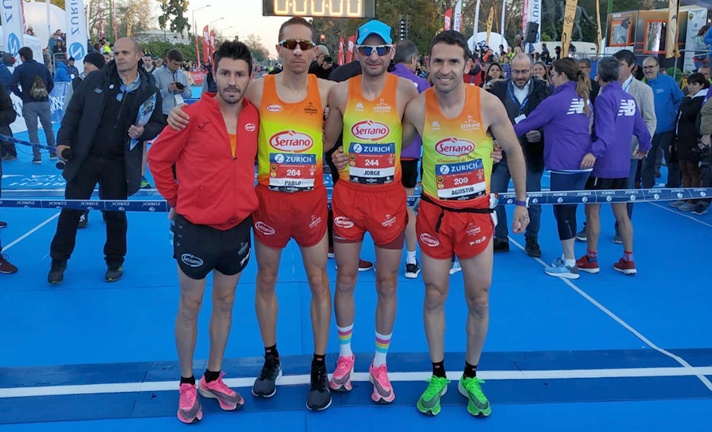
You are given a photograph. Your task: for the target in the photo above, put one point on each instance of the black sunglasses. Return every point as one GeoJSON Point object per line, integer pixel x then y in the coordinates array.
{"type": "Point", "coordinates": [291, 44]}
{"type": "Point", "coordinates": [381, 50]}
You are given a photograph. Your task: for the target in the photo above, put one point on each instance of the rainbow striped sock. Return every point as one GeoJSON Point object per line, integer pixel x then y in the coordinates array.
{"type": "Point", "coordinates": [345, 340]}
{"type": "Point", "coordinates": [382, 344]}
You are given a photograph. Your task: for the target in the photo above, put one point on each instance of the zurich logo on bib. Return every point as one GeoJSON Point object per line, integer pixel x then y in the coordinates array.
{"type": "Point", "coordinates": [13, 44]}
{"type": "Point", "coordinates": [77, 51]}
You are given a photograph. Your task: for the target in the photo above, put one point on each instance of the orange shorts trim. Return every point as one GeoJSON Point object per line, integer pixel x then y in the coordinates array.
{"type": "Point", "coordinates": [463, 234]}
{"type": "Point", "coordinates": [381, 212]}
{"type": "Point", "coordinates": [282, 216]}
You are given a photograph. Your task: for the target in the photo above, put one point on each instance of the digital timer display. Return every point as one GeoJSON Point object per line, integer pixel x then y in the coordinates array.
{"type": "Point", "coordinates": [320, 8]}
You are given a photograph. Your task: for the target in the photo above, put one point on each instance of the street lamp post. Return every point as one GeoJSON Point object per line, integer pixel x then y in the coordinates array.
{"type": "Point", "coordinates": [210, 25]}
{"type": "Point", "coordinates": [195, 30]}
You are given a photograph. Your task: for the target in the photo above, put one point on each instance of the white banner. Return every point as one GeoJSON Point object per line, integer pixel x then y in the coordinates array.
{"type": "Point", "coordinates": [696, 18]}
{"type": "Point", "coordinates": [477, 20]}
{"type": "Point", "coordinates": [76, 28]}
{"type": "Point", "coordinates": [458, 17]}
{"type": "Point", "coordinates": [12, 26]}
{"type": "Point", "coordinates": [533, 14]}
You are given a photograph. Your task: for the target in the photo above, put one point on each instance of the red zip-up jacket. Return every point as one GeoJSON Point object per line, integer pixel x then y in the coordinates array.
{"type": "Point", "coordinates": [212, 187]}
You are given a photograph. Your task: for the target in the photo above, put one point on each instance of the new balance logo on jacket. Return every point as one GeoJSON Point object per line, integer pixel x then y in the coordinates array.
{"type": "Point", "coordinates": [576, 106]}
{"type": "Point", "coordinates": [627, 108]}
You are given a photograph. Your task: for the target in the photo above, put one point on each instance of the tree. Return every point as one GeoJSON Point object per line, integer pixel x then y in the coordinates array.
{"type": "Point", "coordinates": [172, 11]}
{"type": "Point", "coordinates": [132, 16]}
{"type": "Point", "coordinates": [256, 47]}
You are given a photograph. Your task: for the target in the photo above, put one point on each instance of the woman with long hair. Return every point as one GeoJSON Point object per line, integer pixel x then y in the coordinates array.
{"type": "Point", "coordinates": [565, 117]}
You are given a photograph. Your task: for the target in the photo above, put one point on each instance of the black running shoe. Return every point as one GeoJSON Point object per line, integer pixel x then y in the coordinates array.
{"type": "Point", "coordinates": [114, 273]}
{"type": "Point", "coordinates": [319, 397]}
{"type": "Point", "coordinates": [56, 272]}
{"type": "Point", "coordinates": [412, 270]}
{"type": "Point", "coordinates": [264, 386]}
{"type": "Point", "coordinates": [532, 248]}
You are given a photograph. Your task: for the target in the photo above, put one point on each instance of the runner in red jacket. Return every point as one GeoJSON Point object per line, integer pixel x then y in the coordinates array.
{"type": "Point", "coordinates": [212, 198]}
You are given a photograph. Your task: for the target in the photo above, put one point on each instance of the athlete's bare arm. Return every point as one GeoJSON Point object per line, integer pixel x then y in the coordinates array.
{"type": "Point", "coordinates": [414, 118]}
{"type": "Point", "coordinates": [406, 93]}
{"type": "Point", "coordinates": [335, 121]}
{"type": "Point", "coordinates": [325, 87]}
{"type": "Point", "coordinates": [178, 119]}
{"type": "Point", "coordinates": [497, 122]}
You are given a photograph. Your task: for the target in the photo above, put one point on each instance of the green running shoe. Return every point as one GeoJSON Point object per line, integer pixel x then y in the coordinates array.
{"type": "Point", "coordinates": [429, 402]}
{"type": "Point", "coordinates": [477, 404]}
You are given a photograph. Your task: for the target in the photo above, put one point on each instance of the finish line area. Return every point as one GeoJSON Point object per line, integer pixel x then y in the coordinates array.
{"type": "Point", "coordinates": [603, 351]}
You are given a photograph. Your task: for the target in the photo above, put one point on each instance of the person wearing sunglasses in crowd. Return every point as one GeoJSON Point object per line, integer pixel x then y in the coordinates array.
{"type": "Point", "coordinates": [369, 196]}
{"type": "Point", "coordinates": [292, 197]}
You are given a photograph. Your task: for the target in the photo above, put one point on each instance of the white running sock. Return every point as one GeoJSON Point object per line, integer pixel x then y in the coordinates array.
{"type": "Point", "coordinates": [410, 257]}
{"type": "Point", "coordinates": [345, 340]}
{"type": "Point", "coordinates": [383, 342]}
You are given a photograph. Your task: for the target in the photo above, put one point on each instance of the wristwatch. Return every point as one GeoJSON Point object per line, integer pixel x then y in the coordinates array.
{"type": "Point", "coordinates": [524, 203]}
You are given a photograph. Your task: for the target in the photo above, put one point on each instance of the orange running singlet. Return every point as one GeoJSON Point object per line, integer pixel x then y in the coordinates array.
{"type": "Point", "coordinates": [373, 135]}
{"type": "Point", "coordinates": [290, 147]}
{"type": "Point", "coordinates": [456, 153]}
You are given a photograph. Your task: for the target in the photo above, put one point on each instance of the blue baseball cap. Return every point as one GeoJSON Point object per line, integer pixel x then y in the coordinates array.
{"type": "Point", "coordinates": [374, 27]}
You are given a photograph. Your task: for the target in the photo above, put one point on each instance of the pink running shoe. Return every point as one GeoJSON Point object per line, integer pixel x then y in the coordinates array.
{"type": "Point", "coordinates": [228, 399]}
{"type": "Point", "coordinates": [382, 390]}
{"type": "Point", "coordinates": [189, 410]}
{"type": "Point", "coordinates": [341, 380]}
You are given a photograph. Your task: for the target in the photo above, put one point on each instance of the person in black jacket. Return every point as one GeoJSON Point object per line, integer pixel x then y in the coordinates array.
{"type": "Point", "coordinates": [103, 130]}
{"type": "Point", "coordinates": [7, 117]}
{"type": "Point", "coordinates": [520, 95]}
{"type": "Point", "coordinates": [688, 134]}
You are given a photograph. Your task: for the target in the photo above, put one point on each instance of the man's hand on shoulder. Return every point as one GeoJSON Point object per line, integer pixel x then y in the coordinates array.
{"type": "Point", "coordinates": [177, 118]}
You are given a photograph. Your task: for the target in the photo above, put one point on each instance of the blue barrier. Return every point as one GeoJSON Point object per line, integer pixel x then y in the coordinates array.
{"type": "Point", "coordinates": [540, 198]}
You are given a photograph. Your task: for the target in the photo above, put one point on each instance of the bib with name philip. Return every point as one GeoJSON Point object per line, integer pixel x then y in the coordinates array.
{"type": "Point", "coordinates": [372, 136]}
{"type": "Point", "coordinates": [456, 153]}
{"type": "Point", "coordinates": [290, 151]}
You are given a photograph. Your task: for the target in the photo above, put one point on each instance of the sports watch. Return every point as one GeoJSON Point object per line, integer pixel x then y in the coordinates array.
{"type": "Point", "coordinates": [524, 203]}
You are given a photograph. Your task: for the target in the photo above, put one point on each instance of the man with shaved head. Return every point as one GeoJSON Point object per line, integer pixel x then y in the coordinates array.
{"type": "Point", "coordinates": [101, 140]}
{"type": "Point", "coordinates": [521, 94]}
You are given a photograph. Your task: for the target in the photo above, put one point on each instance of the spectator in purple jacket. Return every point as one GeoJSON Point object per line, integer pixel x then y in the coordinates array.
{"type": "Point", "coordinates": [565, 118]}
{"type": "Point", "coordinates": [617, 119]}
{"type": "Point", "coordinates": [405, 60]}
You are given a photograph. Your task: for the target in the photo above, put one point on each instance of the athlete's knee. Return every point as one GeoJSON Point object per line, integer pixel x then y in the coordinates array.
{"type": "Point", "coordinates": [189, 307]}
{"type": "Point", "coordinates": [223, 302]}
{"type": "Point", "coordinates": [346, 279]}
{"type": "Point", "coordinates": [435, 297]}
{"type": "Point", "coordinates": [478, 298]}
{"type": "Point", "coordinates": [387, 286]}
{"type": "Point", "coordinates": [266, 279]}
{"type": "Point", "coordinates": [318, 281]}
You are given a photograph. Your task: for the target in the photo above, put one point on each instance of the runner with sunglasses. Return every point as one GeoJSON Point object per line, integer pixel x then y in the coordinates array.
{"type": "Point", "coordinates": [292, 198]}
{"type": "Point", "coordinates": [369, 196]}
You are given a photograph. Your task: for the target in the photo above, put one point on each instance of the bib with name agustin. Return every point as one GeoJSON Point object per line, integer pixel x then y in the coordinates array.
{"type": "Point", "coordinates": [456, 152]}
{"type": "Point", "coordinates": [291, 147]}
{"type": "Point", "coordinates": [372, 135]}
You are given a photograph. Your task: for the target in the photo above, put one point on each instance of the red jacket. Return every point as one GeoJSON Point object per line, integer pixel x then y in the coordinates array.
{"type": "Point", "coordinates": [212, 188]}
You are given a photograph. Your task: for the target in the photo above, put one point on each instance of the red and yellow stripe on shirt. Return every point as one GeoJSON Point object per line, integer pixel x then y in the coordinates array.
{"type": "Point", "coordinates": [290, 147]}
{"type": "Point", "coordinates": [456, 153]}
{"type": "Point", "coordinates": [372, 136]}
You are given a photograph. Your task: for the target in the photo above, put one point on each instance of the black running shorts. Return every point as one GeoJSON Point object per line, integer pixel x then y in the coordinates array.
{"type": "Point", "coordinates": [598, 183]}
{"type": "Point", "coordinates": [409, 173]}
{"type": "Point", "coordinates": [200, 249]}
